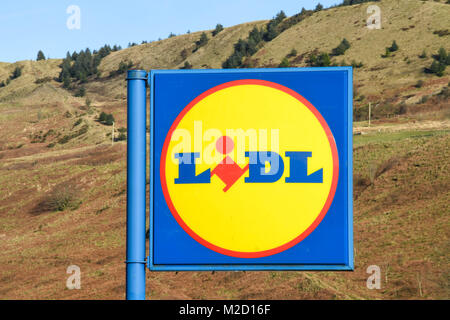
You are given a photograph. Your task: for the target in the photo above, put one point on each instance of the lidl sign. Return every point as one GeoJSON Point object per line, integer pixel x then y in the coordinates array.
{"type": "Point", "coordinates": [251, 169]}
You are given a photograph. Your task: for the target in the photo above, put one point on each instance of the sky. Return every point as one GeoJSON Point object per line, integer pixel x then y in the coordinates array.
{"type": "Point", "coordinates": [29, 26]}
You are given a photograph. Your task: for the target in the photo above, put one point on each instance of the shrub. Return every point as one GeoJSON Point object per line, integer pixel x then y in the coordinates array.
{"type": "Point", "coordinates": [124, 66]}
{"type": "Point", "coordinates": [442, 33]}
{"type": "Point", "coordinates": [386, 54]}
{"type": "Point", "coordinates": [62, 198]}
{"type": "Point", "coordinates": [43, 80]}
{"type": "Point", "coordinates": [67, 138]}
{"type": "Point", "coordinates": [423, 55]}
{"type": "Point", "coordinates": [184, 54]}
{"type": "Point", "coordinates": [419, 84]}
{"type": "Point", "coordinates": [341, 48]}
{"type": "Point", "coordinates": [77, 122]}
{"type": "Point", "coordinates": [67, 114]}
{"type": "Point", "coordinates": [106, 118]}
{"type": "Point", "coordinates": [16, 73]}
{"type": "Point", "coordinates": [201, 42]}
{"type": "Point", "coordinates": [442, 56]}
{"type": "Point", "coordinates": [322, 60]}
{"type": "Point", "coordinates": [187, 65]}
{"type": "Point", "coordinates": [440, 63]}
{"type": "Point", "coordinates": [291, 54]}
{"type": "Point", "coordinates": [122, 137]}
{"type": "Point", "coordinates": [361, 113]}
{"type": "Point", "coordinates": [357, 64]}
{"type": "Point", "coordinates": [218, 28]}
{"type": "Point", "coordinates": [109, 120]}
{"type": "Point", "coordinates": [445, 93]}
{"type": "Point", "coordinates": [81, 92]}
{"type": "Point", "coordinates": [424, 99]}
{"type": "Point", "coordinates": [234, 61]}
{"type": "Point", "coordinates": [284, 63]}
{"type": "Point", "coordinates": [437, 68]}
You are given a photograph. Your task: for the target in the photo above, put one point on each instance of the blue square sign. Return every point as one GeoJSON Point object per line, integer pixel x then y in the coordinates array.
{"type": "Point", "coordinates": [251, 169]}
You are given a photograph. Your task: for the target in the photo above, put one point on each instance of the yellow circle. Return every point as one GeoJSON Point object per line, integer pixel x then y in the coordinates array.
{"type": "Point", "coordinates": [250, 217]}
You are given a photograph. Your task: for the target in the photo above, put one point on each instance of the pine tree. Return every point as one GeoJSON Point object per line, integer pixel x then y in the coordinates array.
{"type": "Point", "coordinates": [256, 35]}
{"type": "Point", "coordinates": [393, 47]}
{"type": "Point", "coordinates": [284, 63]}
{"type": "Point", "coordinates": [102, 117]}
{"type": "Point", "coordinates": [66, 82]}
{"type": "Point", "coordinates": [341, 48]}
{"type": "Point", "coordinates": [437, 68]}
{"type": "Point", "coordinates": [202, 41]}
{"type": "Point", "coordinates": [16, 73]}
{"type": "Point", "coordinates": [109, 120]}
{"type": "Point", "coordinates": [218, 28]}
{"type": "Point", "coordinates": [324, 60]}
{"type": "Point", "coordinates": [442, 56]}
{"type": "Point", "coordinates": [40, 56]}
{"type": "Point", "coordinates": [186, 66]}
{"type": "Point", "coordinates": [280, 17]}
{"type": "Point", "coordinates": [271, 32]}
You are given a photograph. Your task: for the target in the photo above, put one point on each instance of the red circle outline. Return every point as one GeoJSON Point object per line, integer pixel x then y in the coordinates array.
{"type": "Point", "coordinates": [304, 234]}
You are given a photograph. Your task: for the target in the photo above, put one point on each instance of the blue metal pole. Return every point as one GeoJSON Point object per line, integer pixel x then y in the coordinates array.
{"type": "Point", "coordinates": [136, 180]}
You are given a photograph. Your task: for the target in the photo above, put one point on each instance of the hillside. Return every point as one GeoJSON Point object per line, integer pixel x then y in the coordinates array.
{"type": "Point", "coordinates": [62, 183]}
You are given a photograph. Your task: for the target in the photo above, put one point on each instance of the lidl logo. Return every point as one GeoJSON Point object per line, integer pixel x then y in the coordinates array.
{"type": "Point", "coordinates": [249, 168]}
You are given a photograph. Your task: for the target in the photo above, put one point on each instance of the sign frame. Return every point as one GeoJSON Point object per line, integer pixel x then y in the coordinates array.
{"type": "Point", "coordinates": [348, 266]}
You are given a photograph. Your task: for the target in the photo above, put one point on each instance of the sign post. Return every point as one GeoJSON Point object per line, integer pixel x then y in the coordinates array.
{"type": "Point", "coordinates": [136, 182]}
{"type": "Point", "coordinates": [250, 169]}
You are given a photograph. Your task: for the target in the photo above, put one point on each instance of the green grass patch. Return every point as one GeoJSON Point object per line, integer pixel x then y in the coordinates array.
{"type": "Point", "coordinates": [393, 136]}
